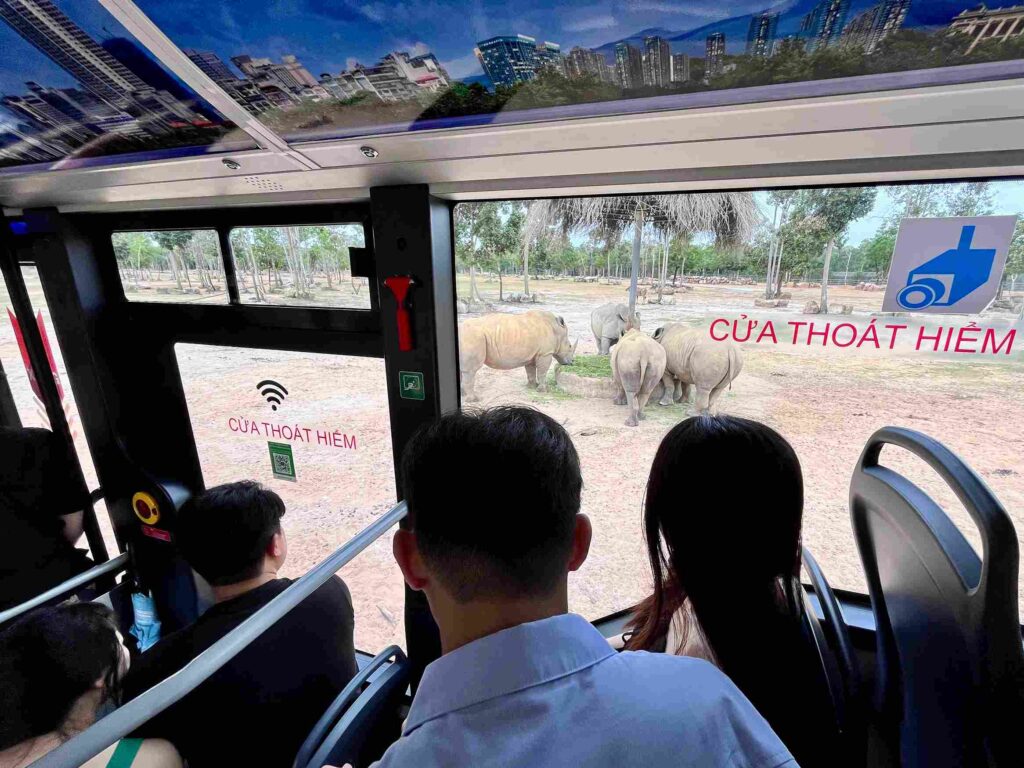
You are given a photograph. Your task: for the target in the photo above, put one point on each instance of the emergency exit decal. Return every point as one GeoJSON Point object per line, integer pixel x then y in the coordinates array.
{"type": "Point", "coordinates": [948, 266]}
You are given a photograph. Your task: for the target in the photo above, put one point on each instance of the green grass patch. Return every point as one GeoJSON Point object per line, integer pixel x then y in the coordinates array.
{"type": "Point", "coordinates": [591, 366]}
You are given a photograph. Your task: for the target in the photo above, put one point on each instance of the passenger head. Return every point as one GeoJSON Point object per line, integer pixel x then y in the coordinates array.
{"type": "Point", "coordinates": [232, 533]}
{"type": "Point", "coordinates": [494, 500]}
{"type": "Point", "coordinates": [722, 521]}
{"type": "Point", "coordinates": [57, 666]}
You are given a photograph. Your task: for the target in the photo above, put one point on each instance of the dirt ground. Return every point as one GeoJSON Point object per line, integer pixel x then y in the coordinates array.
{"type": "Point", "coordinates": [826, 401]}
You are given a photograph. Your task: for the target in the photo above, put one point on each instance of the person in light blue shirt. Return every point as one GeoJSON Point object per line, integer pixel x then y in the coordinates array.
{"type": "Point", "coordinates": [493, 531]}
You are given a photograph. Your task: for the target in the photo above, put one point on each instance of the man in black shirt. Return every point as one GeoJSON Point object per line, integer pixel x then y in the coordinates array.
{"type": "Point", "coordinates": [40, 515]}
{"type": "Point", "coordinates": [259, 707]}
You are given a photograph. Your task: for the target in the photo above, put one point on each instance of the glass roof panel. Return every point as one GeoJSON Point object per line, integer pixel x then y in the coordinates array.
{"type": "Point", "coordinates": [317, 69]}
{"type": "Point", "coordinates": [76, 86]}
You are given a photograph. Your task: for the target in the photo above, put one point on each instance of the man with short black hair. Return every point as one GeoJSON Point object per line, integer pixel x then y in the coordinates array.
{"type": "Point", "coordinates": [493, 531]}
{"type": "Point", "coordinates": [280, 685]}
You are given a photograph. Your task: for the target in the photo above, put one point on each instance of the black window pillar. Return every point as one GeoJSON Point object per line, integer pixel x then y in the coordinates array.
{"type": "Point", "coordinates": [412, 236]}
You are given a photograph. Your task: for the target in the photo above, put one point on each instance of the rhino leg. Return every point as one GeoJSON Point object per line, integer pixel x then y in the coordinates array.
{"type": "Point", "coordinates": [703, 401]}
{"type": "Point", "coordinates": [682, 393]}
{"type": "Point", "coordinates": [713, 397]}
{"type": "Point", "coordinates": [633, 420]}
{"type": "Point", "coordinates": [669, 388]}
{"type": "Point", "coordinates": [531, 375]}
{"type": "Point", "coordinates": [468, 389]}
{"type": "Point", "coordinates": [642, 399]}
{"type": "Point", "coordinates": [541, 372]}
{"type": "Point", "coordinates": [620, 397]}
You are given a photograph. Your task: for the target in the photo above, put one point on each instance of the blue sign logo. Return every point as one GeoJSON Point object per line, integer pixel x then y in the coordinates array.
{"type": "Point", "coordinates": [950, 276]}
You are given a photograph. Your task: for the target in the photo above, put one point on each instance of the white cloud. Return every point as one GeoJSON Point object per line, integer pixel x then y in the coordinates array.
{"type": "Point", "coordinates": [351, 62]}
{"type": "Point", "coordinates": [606, 21]}
{"type": "Point", "coordinates": [710, 11]}
{"type": "Point", "coordinates": [463, 66]}
{"type": "Point", "coordinates": [374, 11]}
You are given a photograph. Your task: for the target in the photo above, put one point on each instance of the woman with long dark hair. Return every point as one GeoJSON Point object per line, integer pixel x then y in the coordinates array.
{"type": "Point", "coordinates": [722, 521]}
{"type": "Point", "coordinates": [58, 666]}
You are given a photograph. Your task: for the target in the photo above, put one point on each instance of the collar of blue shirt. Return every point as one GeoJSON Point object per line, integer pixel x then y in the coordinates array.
{"type": "Point", "coordinates": [505, 662]}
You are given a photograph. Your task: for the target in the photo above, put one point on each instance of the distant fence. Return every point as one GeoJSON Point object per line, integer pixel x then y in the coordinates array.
{"type": "Point", "coordinates": [1011, 282]}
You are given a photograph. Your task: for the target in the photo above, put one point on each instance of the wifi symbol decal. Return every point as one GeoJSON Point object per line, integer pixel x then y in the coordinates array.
{"type": "Point", "coordinates": [272, 392]}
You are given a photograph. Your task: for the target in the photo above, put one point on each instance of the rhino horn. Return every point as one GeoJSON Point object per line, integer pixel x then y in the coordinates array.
{"type": "Point", "coordinates": [575, 344]}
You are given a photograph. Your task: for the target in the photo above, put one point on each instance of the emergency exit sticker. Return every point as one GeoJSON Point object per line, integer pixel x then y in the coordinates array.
{"type": "Point", "coordinates": [282, 463]}
{"type": "Point", "coordinates": [410, 385]}
{"type": "Point", "coordinates": [948, 266]}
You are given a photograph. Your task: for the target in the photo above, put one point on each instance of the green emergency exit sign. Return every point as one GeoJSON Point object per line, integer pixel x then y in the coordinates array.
{"type": "Point", "coordinates": [410, 385]}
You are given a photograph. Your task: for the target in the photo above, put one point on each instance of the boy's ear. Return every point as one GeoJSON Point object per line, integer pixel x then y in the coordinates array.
{"type": "Point", "coordinates": [582, 534]}
{"type": "Point", "coordinates": [407, 554]}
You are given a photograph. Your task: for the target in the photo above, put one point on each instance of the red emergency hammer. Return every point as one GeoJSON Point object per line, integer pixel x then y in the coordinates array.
{"type": "Point", "coordinates": [400, 285]}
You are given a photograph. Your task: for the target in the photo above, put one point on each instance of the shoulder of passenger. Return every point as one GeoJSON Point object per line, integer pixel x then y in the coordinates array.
{"type": "Point", "coordinates": [157, 753]}
{"type": "Point", "coordinates": [335, 590]}
{"type": "Point", "coordinates": [696, 677]}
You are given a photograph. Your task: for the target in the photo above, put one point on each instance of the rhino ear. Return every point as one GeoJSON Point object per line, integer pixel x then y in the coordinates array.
{"type": "Point", "coordinates": [622, 318]}
{"type": "Point", "coordinates": [561, 321]}
{"type": "Point", "coordinates": [659, 333]}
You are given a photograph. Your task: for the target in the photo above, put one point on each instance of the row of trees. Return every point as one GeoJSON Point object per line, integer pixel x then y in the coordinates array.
{"type": "Point", "coordinates": [803, 236]}
{"type": "Point", "coordinates": [268, 259]}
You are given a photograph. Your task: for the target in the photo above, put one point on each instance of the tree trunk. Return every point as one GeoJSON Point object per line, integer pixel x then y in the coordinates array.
{"type": "Point", "coordinates": [664, 269]}
{"type": "Point", "coordinates": [824, 274]}
{"type": "Point", "coordinates": [291, 257]}
{"type": "Point", "coordinates": [638, 231]}
{"type": "Point", "coordinates": [501, 286]}
{"type": "Point", "coordinates": [257, 287]}
{"type": "Point", "coordinates": [526, 269]}
{"type": "Point", "coordinates": [474, 294]}
{"type": "Point", "coordinates": [172, 257]}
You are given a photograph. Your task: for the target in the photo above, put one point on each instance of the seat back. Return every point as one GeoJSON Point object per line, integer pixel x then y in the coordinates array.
{"type": "Point", "coordinates": [841, 664]}
{"type": "Point", "coordinates": [950, 660]}
{"type": "Point", "coordinates": [361, 722]}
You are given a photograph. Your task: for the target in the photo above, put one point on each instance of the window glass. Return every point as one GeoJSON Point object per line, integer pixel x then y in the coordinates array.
{"type": "Point", "coordinates": [303, 266]}
{"type": "Point", "coordinates": [171, 265]}
{"type": "Point", "coordinates": [26, 395]}
{"type": "Point", "coordinates": [315, 429]}
{"type": "Point", "coordinates": [749, 267]}
{"type": "Point", "coordinates": [314, 70]}
{"type": "Point", "coordinates": [74, 85]}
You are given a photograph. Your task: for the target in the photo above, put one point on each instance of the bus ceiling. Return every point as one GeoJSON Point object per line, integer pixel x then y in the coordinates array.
{"type": "Point", "coordinates": [142, 110]}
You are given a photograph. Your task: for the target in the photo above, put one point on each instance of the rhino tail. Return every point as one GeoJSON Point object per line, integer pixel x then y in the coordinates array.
{"type": "Point", "coordinates": [734, 360]}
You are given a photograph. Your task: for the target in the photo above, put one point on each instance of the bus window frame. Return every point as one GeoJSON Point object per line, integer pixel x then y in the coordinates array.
{"type": "Point", "coordinates": [224, 221]}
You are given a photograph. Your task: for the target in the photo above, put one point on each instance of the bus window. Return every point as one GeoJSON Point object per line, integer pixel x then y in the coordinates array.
{"type": "Point", "coordinates": [748, 268]}
{"type": "Point", "coordinates": [27, 398]}
{"type": "Point", "coordinates": [472, 64]}
{"type": "Point", "coordinates": [315, 429]}
{"type": "Point", "coordinates": [299, 266]}
{"type": "Point", "coordinates": [171, 266]}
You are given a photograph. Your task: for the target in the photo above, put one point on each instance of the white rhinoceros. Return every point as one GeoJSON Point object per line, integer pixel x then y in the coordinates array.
{"type": "Point", "coordinates": [695, 360]}
{"type": "Point", "coordinates": [638, 364]}
{"type": "Point", "coordinates": [609, 322]}
{"type": "Point", "coordinates": [506, 341]}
